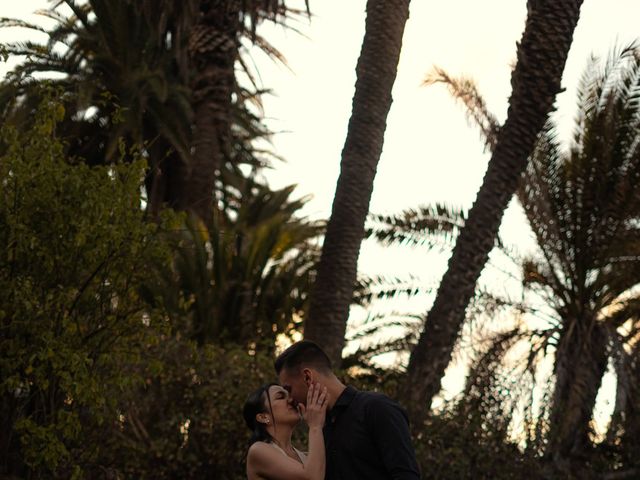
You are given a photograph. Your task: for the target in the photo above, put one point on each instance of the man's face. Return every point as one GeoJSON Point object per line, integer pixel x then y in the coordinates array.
{"type": "Point", "coordinates": [294, 381]}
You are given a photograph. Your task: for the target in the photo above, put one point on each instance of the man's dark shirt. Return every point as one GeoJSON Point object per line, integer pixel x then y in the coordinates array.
{"type": "Point", "coordinates": [367, 437]}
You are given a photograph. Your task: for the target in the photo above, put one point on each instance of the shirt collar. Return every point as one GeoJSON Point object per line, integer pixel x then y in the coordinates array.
{"type": "Point", "coordinates": [345, 398]}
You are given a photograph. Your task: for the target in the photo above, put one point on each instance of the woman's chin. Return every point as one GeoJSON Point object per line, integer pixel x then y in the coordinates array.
{"type": "Point", "coordinates": [292, 419]}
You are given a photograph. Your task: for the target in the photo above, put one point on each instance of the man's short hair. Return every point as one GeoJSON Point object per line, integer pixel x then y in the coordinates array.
{"type": "Point", "coordinates": [303, 354]}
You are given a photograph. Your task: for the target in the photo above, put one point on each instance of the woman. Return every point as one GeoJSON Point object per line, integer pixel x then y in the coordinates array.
{"type": "Point", "coordinates": [271, 416]}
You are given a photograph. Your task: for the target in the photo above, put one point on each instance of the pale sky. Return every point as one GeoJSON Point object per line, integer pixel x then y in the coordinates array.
{"type": "Point", "coordinates": [430, 153]}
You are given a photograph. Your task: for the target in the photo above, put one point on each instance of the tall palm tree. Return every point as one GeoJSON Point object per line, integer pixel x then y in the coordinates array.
{"type": "Point", "coordinates": [542, 54]}
{"type": "Point", "coordinates": [376, 73]}
{"type": "Point", "coordinates": [217, 35]}
{"type": "Point", "coordinates": [130, 70]}
{"type": "Point", "coordinates": [583, 209]}
{"type": "Point", "coordinates": [588, 234]}
{"type": "Point", "coordinates": [213, 32]}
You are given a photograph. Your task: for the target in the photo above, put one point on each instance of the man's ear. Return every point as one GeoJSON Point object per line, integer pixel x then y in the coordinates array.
{"type": "Point", "coordinates": [308, 376]}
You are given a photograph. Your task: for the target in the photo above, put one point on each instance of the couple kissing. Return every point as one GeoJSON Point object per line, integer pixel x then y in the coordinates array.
{"type": "Point", "coordinates": [353, 434]}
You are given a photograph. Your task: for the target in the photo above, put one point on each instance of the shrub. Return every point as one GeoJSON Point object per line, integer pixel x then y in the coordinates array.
{"type": "Point", "coordinates": [73, 248]}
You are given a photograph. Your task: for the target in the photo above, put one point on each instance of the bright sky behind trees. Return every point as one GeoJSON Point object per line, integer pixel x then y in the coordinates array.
{"type": "Point", "coordinates": [430, 154]}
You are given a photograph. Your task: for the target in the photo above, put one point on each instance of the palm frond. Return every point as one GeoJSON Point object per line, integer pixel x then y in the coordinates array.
{"type": "Point", "coordinates": [416, 226]}
{"type": "Point", "coordinates": [465, 91]}
{"type": "Point", "coordinates": [380, 287]}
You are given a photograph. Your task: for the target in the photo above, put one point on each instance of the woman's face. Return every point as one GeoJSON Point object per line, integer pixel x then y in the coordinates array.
{"type": "Point", "coordinates": [281, 406]}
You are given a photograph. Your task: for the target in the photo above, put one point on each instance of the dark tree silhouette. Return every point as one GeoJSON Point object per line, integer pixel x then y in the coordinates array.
{"type": "Point", "coordinates": [542, 54]}
{"type": "Point", "coordinates": [376, 73]}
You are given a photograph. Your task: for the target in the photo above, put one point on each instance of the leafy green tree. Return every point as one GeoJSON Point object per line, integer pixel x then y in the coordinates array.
{"type": "Point", "coordinates": [185, 420]}
{"type": "Point", "coordinates": [118, 80]}
{"type": "Point", "coordinates": [75, 248]}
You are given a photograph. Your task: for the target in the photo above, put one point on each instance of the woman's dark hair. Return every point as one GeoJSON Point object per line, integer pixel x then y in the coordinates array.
{"type": "Point", "coordinates": [258, 402]}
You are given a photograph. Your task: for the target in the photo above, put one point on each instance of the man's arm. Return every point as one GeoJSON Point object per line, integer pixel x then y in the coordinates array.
{"type": "Point", "coordinates": [389, 426]}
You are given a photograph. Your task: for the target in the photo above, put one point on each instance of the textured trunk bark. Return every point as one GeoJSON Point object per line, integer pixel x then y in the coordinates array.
{"type": "Point", "coordinates": [581, 361]}
{"type": "Point", "coordinates": [542, 54]}
{"type": "Point", "coordinates": [208, 154]}
{"type": "Point", "coordinates": [631, 422]}
{"type": "Point", "coordinates": [376, 73]}
{"type": "Point", "coordinates": [213, 50]}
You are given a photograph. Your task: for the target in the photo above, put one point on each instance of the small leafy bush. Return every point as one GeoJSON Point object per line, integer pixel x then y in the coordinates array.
{"type": "Point", "coordinates": [74, 246]}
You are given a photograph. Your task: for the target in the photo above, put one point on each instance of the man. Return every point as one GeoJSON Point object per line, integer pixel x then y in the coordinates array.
{"type": "Point", "coordinates": [366, 434]}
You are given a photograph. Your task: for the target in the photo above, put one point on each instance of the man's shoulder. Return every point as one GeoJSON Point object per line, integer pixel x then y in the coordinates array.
{"type": "Point", "coordinates": [378, 409]}
{"type": "Point", "coordinates": [375, 400]}
{"type": "Point", "coordinates": [371, 396]}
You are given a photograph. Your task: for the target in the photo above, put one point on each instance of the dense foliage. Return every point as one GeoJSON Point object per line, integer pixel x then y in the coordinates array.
{"type": "Point", "coordinates": [75, 247]}
{"type": "Point", "coordinates": [96, 382]}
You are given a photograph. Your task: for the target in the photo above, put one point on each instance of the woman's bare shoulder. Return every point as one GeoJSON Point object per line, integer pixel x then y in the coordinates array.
{"type": "Point", "coordinates": [262, 451]}
{"type": "Point", "coordinates": [265, 461]}
{"type": "Point", "coordinates": [258, 456]}
{"type": "Point", "coordinates": [259, 448]}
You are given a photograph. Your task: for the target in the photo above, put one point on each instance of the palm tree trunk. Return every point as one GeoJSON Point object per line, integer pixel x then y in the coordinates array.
{"type": "Point", "coordinates": [581, 361]}
{"type": "Point", "coordinates": [542, 54]}
{"type": "Point", "coordinates": [631, 423]}
{"type": "Point", "coordinates": [376, 73]}
{"type": "Point", "coordinates": [213, 50]}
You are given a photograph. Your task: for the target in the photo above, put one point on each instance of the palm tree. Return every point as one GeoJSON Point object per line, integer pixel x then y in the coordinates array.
{"type": "Point", "coordinates": [247, 279]}
{"type": "Point", "coordinates": [583, 209]}
{"type": "Point", "coordinates": [129, 70]}
{"type": "Point", "coordinates": [376, 73]}
{"type": "Point", "coordinates": [117, 81]}
{"type": "Point", "coordinates": [542, 53]}
{"type": "Point", "coordinates": [588, 234]}
{"type": "Point", "coordinates": [212, 32]}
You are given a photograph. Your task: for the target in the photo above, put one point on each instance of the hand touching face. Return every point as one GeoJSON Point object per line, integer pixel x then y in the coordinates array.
{"type": "Point", "coordinates": [315, 410]}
